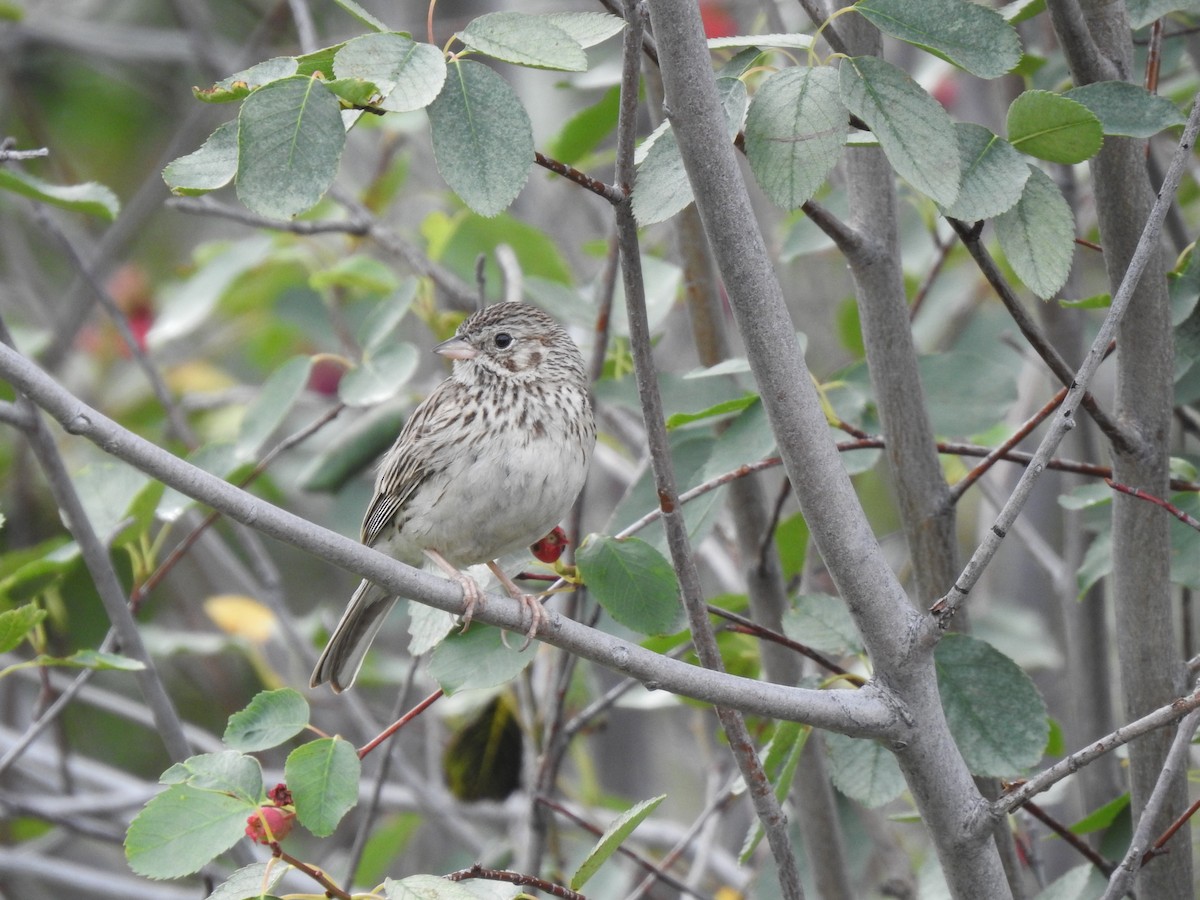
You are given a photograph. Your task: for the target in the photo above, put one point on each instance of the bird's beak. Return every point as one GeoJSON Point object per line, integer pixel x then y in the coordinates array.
{"type": "Point", "coordinates": [456, 348]}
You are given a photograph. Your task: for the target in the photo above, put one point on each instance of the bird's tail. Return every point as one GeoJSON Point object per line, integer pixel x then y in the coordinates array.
{"type": "Point", "coordinates": [343, 655]}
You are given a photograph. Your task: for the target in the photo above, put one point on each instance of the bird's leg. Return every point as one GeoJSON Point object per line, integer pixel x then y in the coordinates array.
{"type": "Point", "coordinates": [532, 602]}
{"type": "Point", "coordinates": [471, 592]}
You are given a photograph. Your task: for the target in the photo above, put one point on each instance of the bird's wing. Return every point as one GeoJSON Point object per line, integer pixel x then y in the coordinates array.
{"type": "Point", "coordinates": [407, 464]}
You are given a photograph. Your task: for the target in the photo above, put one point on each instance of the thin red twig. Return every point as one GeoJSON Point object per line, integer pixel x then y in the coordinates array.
{"type": "Point", "coordinates": [399, 723]}
{"type": "Point", "coordinates": [331, 889]}
{"type": "Point", "coordinates": [518, 878]}
{"type": "Point", "coordinates": [1174, 510]}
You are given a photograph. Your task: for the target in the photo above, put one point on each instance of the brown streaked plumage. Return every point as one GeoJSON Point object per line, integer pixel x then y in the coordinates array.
{"type": "Point", "coordinates": [486, 465]}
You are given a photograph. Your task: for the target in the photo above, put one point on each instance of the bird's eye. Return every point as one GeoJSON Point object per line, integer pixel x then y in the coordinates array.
{"type": "Point", "coordinates": [503, 339]}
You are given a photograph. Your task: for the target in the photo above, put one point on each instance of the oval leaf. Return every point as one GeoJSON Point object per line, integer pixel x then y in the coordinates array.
{"type": "Point", "coordinates": [323, 778]}
{"type": "Point", "coordinates": [290, 139]}
{"type": "Point", "coordinates": [482, 139]}
{"type": "Point", "coordinates": [1127, 109]}
{"type": "Point", "coordinates": [252, 882]}
{"type": "Point", "coordinates": [226, 772]}
{"type": "Point", "coordinates": [971, 36]}
{"type": "Point", "coordinates": [408, 74]}
{"type": "Point", "coordinates": [182, 829]}
{"type": "Point", "coordinates": [525, 40]}
{"type": "Point", "coordinates": [212, 166]}
{"type": "Point", "coordinates": [16, 623]}
{"type": "Point", "coordinates": [913, 129]}
{"type": "Point", "coordinates": [622, 826]}
{"type": "Point", "coordinates": [795, 132]}
{"type": "Point", "coordinates": [966, 393]}
{"type": "Point", "coordinates": [863, 770]}
{"type": "Point", "coordinates": [476, 659]}
{"type": "Point", "coordinates": [993, 174]}
{"type": "Point", "coordinates": [1054, 128]}
{"type": "Point", "coordinates": [90, 198]}
{"type": "Point", "coordinates": [588, 28]}
{"type": "Point", "coordinates": [279, 393]}
{"type": "Point", "coordinates": [995, 713]}
{"type": "Point", "coordinates": [271, 718]}
{"type": "Point", "coordinates": [1038, 235]}
{"type": "Point", "coordinates": [426, 887]}
{"type": "Point", "coordinates": [380, 376]}
{"type": "Point", "coordinates": [632, 581]}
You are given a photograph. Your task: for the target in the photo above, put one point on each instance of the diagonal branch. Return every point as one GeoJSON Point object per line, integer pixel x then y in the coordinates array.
{"type": "Point", "coordinates": [1064, 420]}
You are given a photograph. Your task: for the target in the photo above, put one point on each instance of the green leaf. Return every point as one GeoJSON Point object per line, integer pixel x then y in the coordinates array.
{"type": "Point", "coordinates": [353, 449]}
{"type": "Point", "coordinates": [995, 713]}
{"type": "Point", "coordinates": [994, 174]}
{"type": "Point", "coordinates": [1053, 127]}
{"type": "Point", "coordinates": [96, 660]}
{"type": "Point", "coordinates": [426, 887]}
{"type": "Point", "coordinates": [913, 129]}
{"type": "Point", "coordinates": [241, 84]}
{"type": "Point", "coordinates": [252, 882]}
{"type": "Point", "coordinates": [966, 393]}
{"type": "Point", "coordinates": [386, 315]}
{"type": "Point", "coordinates": [271, 718]}
{"type": "Point", "coordinates": [525, 40]}
{"type": "Point", "coordinates": [358, 272]}
{"type": "Point", "coordinates": [380, 376]}
{"type": "Point", "coordinates": [1143, 12]}
{"type": "Point", "coordinates": [107, 489]}
{"type": "Point", "coordinates": [583, 132]}
{"type": "Point", "coordinates": [476, 659]}
{"type": "Point", "coordinates": [620, 828]}
{"type": "Point", "coordinates": [632, 581]}
{"type": "Point", "coordinates": [791, 540]}
{"type": "Point", "coordinates": [1038, 235]}
{"type": "Point", "coordinates": [823, 623]}
{"type": "Point", "coordinates": [182, 829]}
{"type": "Point", "coordinates": [225, 772]}
{"type": "Point", "coordinates": [213, 166]}
{"type": "Point", "coordinates": [1098, 301]}
{"type": "Point", "coordinates": [90, 198]}
{"type": "Point", "coordinates": [482, 139]}
{"type": "Point", "coordinates": [188, 304]}
{"type": "Point", "coordinates": [1127, 109]}
{"type": "Point", "coordinates": [587, 28]}
{"type": "Point", "coordinates": [290, 139]}
{"type": "Point", "coordinates": [409, 74]}
{"type": "Point", "coordinates": [796, 41]}
{"type": "Point", "coordinates": [795, 133]}
{"type": "Point", "coordinates": [1084, 882]}
{"type": "Point", "coordinates": [720, 409]}
{"type": "Point", "coordinates": [361, 14]}
{"type": "Point", "coordinates": [971, 36]}
{"type": "Point", "coordinates": [661, 188]}
{"type": "Point", "coordinates": [863, 770]}
{"type": "Point", "coordinates": [275, 400]}
{"type": "Point", "coordinates": [28, 572]}
{"type": "Point", "coordinates": [781, 758]}
{"type": "Point", "coordinates": [1099, 819]}
{"type": "Point", "coordinates": [15, 624]}
{"type": "Point", "coordinates": [323, 778]}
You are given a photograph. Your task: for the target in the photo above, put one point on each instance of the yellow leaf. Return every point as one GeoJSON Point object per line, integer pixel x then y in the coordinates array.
{"type": "Point", "coordinates": [198, 378]}
{"type": "Point", "coordinates": [241, 616]}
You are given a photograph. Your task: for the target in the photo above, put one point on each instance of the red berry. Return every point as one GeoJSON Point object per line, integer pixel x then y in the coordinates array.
{"type": "Point", "coordinates": [270, 824]}
{"type": "Point", "coordinates": [551, 547]}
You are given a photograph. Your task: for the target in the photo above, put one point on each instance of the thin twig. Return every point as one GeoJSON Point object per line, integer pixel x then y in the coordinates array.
{"type": "Point", "coordinates": [1032, 333]}
{"type": "Point", "coordinates": [331, 889]}
{"type": "Point", "coordinates": [595, 185]}
{"type": "Point", "coordinates": [638, 860]}
{"type": "Point", "coordinates": [944, 609]}
{"type": "Point", "coordinates": [1078, 843]}
{"type": "Point", "coordinates": [1174, 510]}
{"type": "Point", "coordinates": [1121, 879]}
{"type": "Point", "coordinates": [517, 878]}
{"type": "Point", "coordinates": [1160, 718]}
{"type": "Point", "coordinates": [400, 723]}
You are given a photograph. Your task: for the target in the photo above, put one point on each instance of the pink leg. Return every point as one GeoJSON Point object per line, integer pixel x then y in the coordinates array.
{"type": "Point", "coordinates": [537, 613]}
{"type": "Point", "coordinates": [471, 592]}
